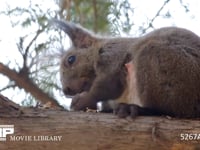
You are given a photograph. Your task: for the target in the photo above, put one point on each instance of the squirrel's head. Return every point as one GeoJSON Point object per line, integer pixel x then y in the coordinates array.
{"type": "Point", "coordinates": [91, 56]}
{"type": "Point", "coordinates": [77, 65]}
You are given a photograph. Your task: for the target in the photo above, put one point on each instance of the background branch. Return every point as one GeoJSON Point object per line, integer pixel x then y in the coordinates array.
{"type": "Point", "coordinates": [26, 83]}
{"type": "Point", "coordinates": [150, 25]}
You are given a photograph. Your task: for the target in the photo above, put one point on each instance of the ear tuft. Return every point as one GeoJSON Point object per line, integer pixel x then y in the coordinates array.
{"type": "Point", "coordinates": [80, 37]}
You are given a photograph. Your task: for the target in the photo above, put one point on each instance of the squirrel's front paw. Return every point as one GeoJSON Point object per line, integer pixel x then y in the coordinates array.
{"type": "Point", "coordinates": [77, 101]}
{"type": "Point", "coordinates": [82, 101]}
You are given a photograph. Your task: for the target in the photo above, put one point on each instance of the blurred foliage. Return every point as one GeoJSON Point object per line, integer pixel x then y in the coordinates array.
{"type": "Point", "coordinates": [110, 16]}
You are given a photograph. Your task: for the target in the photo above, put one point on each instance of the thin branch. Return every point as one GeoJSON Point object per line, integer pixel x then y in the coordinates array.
{"type": "Point", "coordinates": [51, 85]}
{"type": "Point", "coordinates": [29, 45]}
{"type": "Point", "coordinates": [158, 13]}
{"type": "Point", "coordinates": [150, 25]}
{"type": "Point", "coordinates": [8, 86]}
{"type": "Point", "coordinates": [185, 6]}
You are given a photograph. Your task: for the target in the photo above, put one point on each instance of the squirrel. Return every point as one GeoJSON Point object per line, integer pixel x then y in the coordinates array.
{"type": "Point", "coordinates": [157, 73]}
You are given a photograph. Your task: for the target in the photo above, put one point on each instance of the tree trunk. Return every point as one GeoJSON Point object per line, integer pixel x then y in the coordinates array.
{"type": "Point", "coordinates": [97, 131]}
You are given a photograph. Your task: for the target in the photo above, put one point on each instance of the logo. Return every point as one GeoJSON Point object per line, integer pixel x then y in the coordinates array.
{"type": "Point", "coordinates": [9, 129]}
{"type": "Point", "coordinates": [5, 130]}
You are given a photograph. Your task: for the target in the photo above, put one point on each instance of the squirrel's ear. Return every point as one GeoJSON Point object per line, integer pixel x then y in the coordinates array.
{"type": "Point", "coordinates": [79, 36]}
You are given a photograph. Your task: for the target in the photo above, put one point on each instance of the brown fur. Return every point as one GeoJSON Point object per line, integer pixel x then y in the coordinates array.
{"type": "Point", "coordinates": [163, 75]}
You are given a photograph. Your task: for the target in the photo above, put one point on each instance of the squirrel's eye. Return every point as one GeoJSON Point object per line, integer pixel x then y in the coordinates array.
{"type": "Point", "coordinates": [71, 59]}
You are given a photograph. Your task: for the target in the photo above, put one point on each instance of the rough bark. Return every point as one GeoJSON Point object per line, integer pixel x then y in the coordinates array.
{"type": "Point", "coordinates": [24, 82]}
{"type": "Point", "coordinates": [98, 131]}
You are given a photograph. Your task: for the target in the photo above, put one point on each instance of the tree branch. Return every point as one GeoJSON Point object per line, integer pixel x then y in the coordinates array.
{"type": "Point", "coordinates": [24, 82]}
{"type": "Point", "coordinates": [25, 55]}
{"type": "Point", "coordinates": [150, 25]}
{"type": "Point", "coordinates": [8, 86]}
